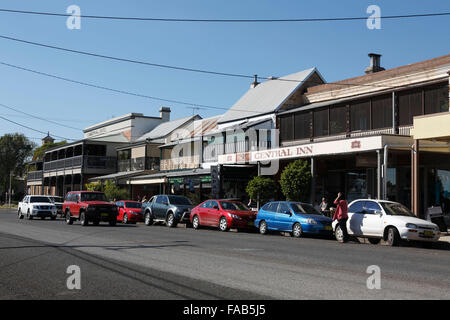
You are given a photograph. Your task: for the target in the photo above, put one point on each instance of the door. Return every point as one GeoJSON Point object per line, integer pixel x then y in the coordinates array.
{"type": "Point", "coordinates": [355, 218]}
{"type": "Point", "coordinates": [75, 207]}
{"type": "Point", "coordinates": [372, 220]}
{"type": "Point", "coordinates": [283, 217]}
{"type": "Point", "coordinates": [158, 207]}
{"type": "Point", "coordinates": [214, 214]}
{"type": "Point", "coordinates": [271, 215]}
{"type": "Point", "coordinates": [203, 212]}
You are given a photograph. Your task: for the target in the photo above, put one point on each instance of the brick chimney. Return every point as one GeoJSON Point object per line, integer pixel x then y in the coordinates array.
{"type": "Point", "coordinates": [164, 113]}
{"type": "Point", "coordinates": [374, 64]}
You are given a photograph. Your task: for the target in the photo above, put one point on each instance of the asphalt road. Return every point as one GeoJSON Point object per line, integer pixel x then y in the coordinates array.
{"type": "Point", "coordinates": [139, 262]}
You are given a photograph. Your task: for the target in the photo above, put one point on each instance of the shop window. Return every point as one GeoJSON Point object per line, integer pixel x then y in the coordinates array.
{"type": "Point", "coordinates": [321, 123]}
{"type": "Point", "coordinates": [436, 99]}
{"type": "Point", "coordinates": [409, 106]}
{"type": "Point", "coordinates": [382, 112]}
{"type": "Point", "coordinates": [286, 128]}
{"type": "Point", "coordinates": [360, 115]}
{"type": "Point", "coordinates": [302, 125]}
{"type": "Point", "coordinates": [338, 119]}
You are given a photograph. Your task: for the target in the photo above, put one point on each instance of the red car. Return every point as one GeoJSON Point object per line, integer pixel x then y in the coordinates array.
{"type": "Point", "coordinates": [129, 211]}
{"type": "Point", "coordinates": [89, 206]}
{"type": "Point", "coordinates": [224, 214]}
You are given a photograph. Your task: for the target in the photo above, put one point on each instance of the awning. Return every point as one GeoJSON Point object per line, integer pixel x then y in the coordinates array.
{"type": "Point", "coordinates": [432, 127]}
{"type": "Point", "coordinates": [118, 175]}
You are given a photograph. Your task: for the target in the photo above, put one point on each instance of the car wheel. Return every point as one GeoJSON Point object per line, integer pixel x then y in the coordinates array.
{"type": "Point", "coordinates": [263, 227]}
{"type": "Point", "coordinates": [374, 240]}
{"type": "Point", "coordinates": [148, 219]}
{"type": "Point", "coordinates": [84, 222]}
{"type": "Point", "coordinates": [297, 230]}
{"type": "Point", "coordinates": [20, 214]}
{"type": "Point", "coordinates": [125, 218]}
{"type": "Point", "coordinates": [29, 216]}
{"type": "Point", "coordinates": [195, 222]}
{"type": "Point", "coordinates": [393, 238]}
{"type": "Point", "coordinates": [69, 219]}
{"type": "Point", "coordinates": [170, 221]}
{"type": "Point", "coordinates": [112, 222]}
{"type": "Point", "coordinates": [338, 234]}
{"type": "Point", "coordinates": [223, 224]}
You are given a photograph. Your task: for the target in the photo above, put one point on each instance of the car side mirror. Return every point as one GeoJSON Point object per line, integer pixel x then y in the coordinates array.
{"type": "Point", "coordinates": [378, 212]}
{"type": "Point", "coordinates": [216, 207]}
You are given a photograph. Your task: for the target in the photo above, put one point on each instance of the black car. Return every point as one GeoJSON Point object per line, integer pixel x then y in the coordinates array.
{"type": "Point", "coordinates": [170, 209]}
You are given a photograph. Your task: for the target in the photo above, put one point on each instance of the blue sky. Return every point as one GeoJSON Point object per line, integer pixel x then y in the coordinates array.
{"type": "Point", "coordinates": [338, 49]}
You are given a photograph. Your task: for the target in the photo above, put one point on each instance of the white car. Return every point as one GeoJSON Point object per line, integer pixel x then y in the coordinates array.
{"type": "Point", "coordinates": [36, 206]}
{"type": "Point", "coordinates": [387, 220]}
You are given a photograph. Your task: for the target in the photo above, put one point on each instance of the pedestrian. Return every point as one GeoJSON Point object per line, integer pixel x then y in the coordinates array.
{"type": "Point", "coordinates": [341, 215]}
{"type": "Point", "coordinates": [324, 205]}
{"type": "Point", "coordinates": [144, 199]}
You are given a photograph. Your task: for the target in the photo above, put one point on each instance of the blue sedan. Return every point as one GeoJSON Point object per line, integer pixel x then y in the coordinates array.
{"type": "Point", "coordinates": [294, 217]}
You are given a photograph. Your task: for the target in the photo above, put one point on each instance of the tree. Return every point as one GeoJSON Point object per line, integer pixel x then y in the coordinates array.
{"type": "Point", "coordinates": [262, 188]}
{"type": "Point", "coordinates": [15, 151]}
{"type": "Point", "coordinates": [295, 181]}
{"type": "Point", "coordinates": [38, 153]}
{"type": "Point", "coordinates": [110, 189]}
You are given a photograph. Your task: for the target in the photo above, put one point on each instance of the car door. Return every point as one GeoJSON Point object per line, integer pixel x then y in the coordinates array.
{"type": "Point", "coordinates": [203, 212]}
{"type": "Point", "coordinates": [355, 218]}
{"type": "Point", "coordinates": [156, 207]}
{"type": "Point", "coordinates": [76, 205]}
{"type": "Point", "coordinates": [271, 218]}
{"type": "Point", "coordinates": [214, 214]}
{"type": "Point", "coordinates": [372, 220]}
{"type": "Point", "coordinates": [283, 217]}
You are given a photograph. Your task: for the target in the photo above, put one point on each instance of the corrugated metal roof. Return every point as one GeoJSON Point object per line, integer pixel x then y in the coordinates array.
{"type": "Point", "coordinates": [164, 129]}
{"type": "Point", "coordinates": [266, 97]}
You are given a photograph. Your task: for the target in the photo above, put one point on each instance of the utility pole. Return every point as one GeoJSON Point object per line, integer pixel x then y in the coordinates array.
{"type": "Point", "coordinates": [9, 193]}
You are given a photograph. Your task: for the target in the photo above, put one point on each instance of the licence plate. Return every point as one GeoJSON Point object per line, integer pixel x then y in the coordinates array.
{"type": "Point", "coordinates": [328, 228]}
{"type": "Point", "coordinates": [428, 233]}
{"type": "Point", "coordinates": [105, 214]}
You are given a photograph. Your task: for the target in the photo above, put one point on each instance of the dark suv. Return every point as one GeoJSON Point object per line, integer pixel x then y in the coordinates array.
{"type": "Point", "coordinates": [170, 209]}
{"type": "Point", "coordinates": [89, 206]}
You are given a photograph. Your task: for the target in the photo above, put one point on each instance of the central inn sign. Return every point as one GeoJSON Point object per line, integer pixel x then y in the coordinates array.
{"type": "Point", "coordinates": [308, 150]}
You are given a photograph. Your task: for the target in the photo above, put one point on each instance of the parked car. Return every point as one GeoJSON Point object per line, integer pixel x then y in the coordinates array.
{"type": "Point", "coordinates": [387, 220]}
{"type": "Point", "coordinates": [89, 206]}
{"type": "Point", "coordinates": [170, 209]}
{"type": "Point", "coordinates": [294, 217]}
{"type": "Point", "coordinates": [58, 202]}
{"type": "Point", "coordinates": [224, 214]}
{"type": "Point", "coordinates": [36, 206]}
{"type": "Point", "coordinates": [129, 211]}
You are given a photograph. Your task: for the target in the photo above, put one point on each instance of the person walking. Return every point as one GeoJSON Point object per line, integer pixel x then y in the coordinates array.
{"type": "Point", "coordinates": [341, 214]}
{"type": "Point", "coordinates": [323, 205]}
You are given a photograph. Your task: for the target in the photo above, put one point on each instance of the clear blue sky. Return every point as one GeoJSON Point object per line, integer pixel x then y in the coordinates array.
{"type": "Point", "coordinates": [338, 49]}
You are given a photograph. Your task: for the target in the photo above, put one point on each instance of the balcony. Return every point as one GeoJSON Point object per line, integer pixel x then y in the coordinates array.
{"type": "Point", "coordinates": [189, 162]}
{"type": "Point", "coordinates": [35, 175]}
{"type": "Point", "coordinates": [137, 164]}
{"type": "Point", "coordinates": [90, 162]}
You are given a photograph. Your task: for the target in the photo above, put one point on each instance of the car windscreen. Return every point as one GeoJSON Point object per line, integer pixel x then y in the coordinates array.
{"type": "Point", "coordinates": [304, 208]}
{"type": "Point", "coordinates": [227, 205]}
{"type": "Point", "coordinates": [133, 205]}
{"type": "Point", "coordinates": [396, 209]}
{"type": "Point", "coordinates": [179, 200]}
{"type": "Point", "coordinates": [93, 197]}
{"type": "Point", "coordinates": [40, 199]}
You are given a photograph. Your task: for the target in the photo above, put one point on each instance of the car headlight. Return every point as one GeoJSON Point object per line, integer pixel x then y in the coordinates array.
{"type": "Point", "coordinates": [411, 226]}
{"type": "Point", "coordinates": [311, 221]}
{"type": "Point", "coordinates": [233, 216]}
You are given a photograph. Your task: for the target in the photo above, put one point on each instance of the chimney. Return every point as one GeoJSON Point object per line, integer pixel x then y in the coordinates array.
{"type": "Point", "coordinates": [164, 113]}
{"type": "Point", "coordinates": [374, 64]}
{"type": "Point", "coordinates": [254, 83]}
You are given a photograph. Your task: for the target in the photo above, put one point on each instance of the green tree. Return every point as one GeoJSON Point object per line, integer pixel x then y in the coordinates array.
{"type": "Point", "coordinates": [110, 189]}
{"type": "Point", "coordinates": [38, 153]}
{"type": "Point", "coordinates": [15, 151]}
{"type": "Point", "coordinates": [262, 188]}
{"type": "Point", "coordinates": [295, 181]}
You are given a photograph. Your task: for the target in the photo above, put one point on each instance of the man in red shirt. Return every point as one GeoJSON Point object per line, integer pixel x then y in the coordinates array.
{"type": "Point", "coordinates": [341, 214]}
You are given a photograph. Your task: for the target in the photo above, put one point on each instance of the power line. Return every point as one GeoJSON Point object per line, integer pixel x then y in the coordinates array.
{"type": "Point", "coordinates": [406, 16]}
{"type": "Point", "coordinates": [236, 75]}
{"type": "Point", "coordinates": [110, 89]}
{"type": "Point", "coordinates": [37, 117]}
{"type": "Point", "coordinates": [24, 126]}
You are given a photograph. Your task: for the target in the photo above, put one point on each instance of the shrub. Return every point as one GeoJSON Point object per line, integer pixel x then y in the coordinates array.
{"type": "Point", "coordinates": [264, 187]}
{"type": "Point", "coordinates": [295, 181]}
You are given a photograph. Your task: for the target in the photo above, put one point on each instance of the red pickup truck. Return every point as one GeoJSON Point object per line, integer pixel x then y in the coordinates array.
{"type": "Point", "coordinates": [89, 206]}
